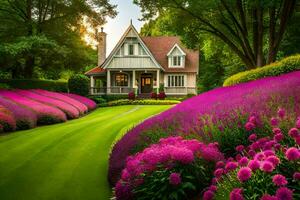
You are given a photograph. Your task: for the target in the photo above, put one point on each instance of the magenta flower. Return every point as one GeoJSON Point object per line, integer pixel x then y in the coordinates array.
{"type": "Point", "coordinates": [279, 180]}
{"type": "Point", "coordinates": [208, 195]}
{"type": "Point", "coordinates": [268, 197]}
{"type": "Point", "coordinates": [274, 160]}
{"type": "Point", "coordinates": [220, 164]}
{"type": "Point", "coordinates": [298, 123]}
{"type": "Point", "coordinates": [296, 176]}
{"type": "Point", "coordinates": [281, 112]}
{"type": "Point", "coordinates": [243, 161]}
{"type": "Point", "coordinates": [274, 121]}
{"type": "Point", "coordinates": [213, 188]}
{"type": "Point", "coordinates": [278, 137]}
{"type": "Point", "coordinates": [276, 130]}
{"type": "Point", "coordinates": [249, 126]}
{"type": "Point", "coordinates": [297, 140]}
{"type": "Point", "coordinates": [219, 172]}
{"type": "Point", "coordinates": [239, 148]}
{"type": "Point", "coordinates": [231, 166]}
{"type": "Point", "coordinates": [253, 119]}
{"type": "Point", "coordinates": [293, 132]}
{"type": "Point", "coordinates": [236, 194]}
{"type": "Point", "coordinates": [284, 193]}
{"type": "Point", "coordinates": [254, 165]}
{"type": "Point", "coordinates": [123, 191]}
{"type": "Point", "coordinates": [174, 179]}
{"type": "Point", "coordinates": [251, 153]}
{"type": "Point", "coordinates": [252, 137]}
{"type": "Point", "coordinates": [292, 154]}
{"type": "Point", "coordinates": [260, 156]}
{"type": "Point", "coordinates": [244, 174]}
{"type": "Point", "coordinates": [267, 166]}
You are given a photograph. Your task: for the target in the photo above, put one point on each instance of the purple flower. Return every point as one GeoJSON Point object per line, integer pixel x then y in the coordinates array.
{"type": "Point", "coordinates": [213, 188]}
{"type": "Point", "coordinates": [279, 180]}
{"type": "Point", "coordinates": [284, 193]}
{"type": "Point", "coordinates": [236, 194]}
{"type": "Point", "coordinates": [219, 172]}
{"type": "Point", "coordinates": [251, 153]}
{"type": "Point", "coordinates": [274, 160]}
{"type": "Point", "coordinates": [281, 112]}
{"type": "Point", "coordinates": [208, 195]}
{"type": "Point", "coordinates": [252, 137]}
{"type": "Point", "coordinates": [123, 191]}
{"type": "Point", "coordinates": [274, 121]}
{"type": "Point", "coordinates": [260, 156]}
{"type": "Point", "coordinates": [254, 165]}
{"type": "Point", "coordinates": [292, 153]}
{"type": "Point", "coordinates": [296, 176]}
{"type": "Point", "coordinates": [249, 126]}
{"type": "Point", "coordinates": [220, 164]}
{"type": "Point", "coordinates": [243, 161]}
{"type": "Point", "coordinates": [174, 179]}
{"type": "Point", "coordinates": [240, 148]}
{"type": "Point", "coordinates": [293, 132]}
{"type": "Point", "coordinates": [297, 140]}
{"type": "Point", "coordinates": [231, 166]}
{"type": "Point", "coordinates": [278, 137]}
{"type": "Point", "coordinates": [268, 197]}
{"type": "Point", "coordinates": [267, 166]}
{"type": "Point", "coordinates": [244, 174]}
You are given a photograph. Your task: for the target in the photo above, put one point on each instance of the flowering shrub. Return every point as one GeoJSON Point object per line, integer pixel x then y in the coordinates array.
{"type": "Point", "coordinates": [90, 104]}
{"type": "Point", "coordinates": [25, 118]}
{"type": "Point", "coordinates": [45, 114]}
{"type": "Point", "coordinates": [68, 109]}
{"type": "Point", "coordinates": [7, 120]}
{"type": "Point", "coordinates": [218, 115]}
{"type": "Point", "coordinates": [81, 107]}
{"type": "Point", "coordinates": [154, 95]}
{"type": "Point", "coordinates": [172, 169]}
{"type": "Point", "coordinates": [161, 95]}
{"type": "Point", "coordinates": [266, 169]}
{"type": "Point", "coordinates": [131, 96]}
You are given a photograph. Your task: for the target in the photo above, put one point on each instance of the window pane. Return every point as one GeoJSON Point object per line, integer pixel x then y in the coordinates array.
{"type": "Point", "coordinates": [131, 49]}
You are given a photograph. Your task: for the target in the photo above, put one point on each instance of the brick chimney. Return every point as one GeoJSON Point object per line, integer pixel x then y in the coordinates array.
{"type": "Point", "coordinates": [101, 47]}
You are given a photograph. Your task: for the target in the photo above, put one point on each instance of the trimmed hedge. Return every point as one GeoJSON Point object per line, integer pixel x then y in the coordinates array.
{"type": "Point", "coordinates": [139, 102]}
{"type": "Point", "coordinates": [58, 86]}
{"type": "Point", "coordinates": [79, 84]}
{"type": "Point", "coordinates": [289, 64]}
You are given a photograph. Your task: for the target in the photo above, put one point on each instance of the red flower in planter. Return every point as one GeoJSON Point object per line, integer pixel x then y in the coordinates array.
{"type": "Point", "coordinates": [131, 96]}
{"type": "Point", "coordinates": [161, 95]}
{"type": "Point", "coordinates": [153, 95]}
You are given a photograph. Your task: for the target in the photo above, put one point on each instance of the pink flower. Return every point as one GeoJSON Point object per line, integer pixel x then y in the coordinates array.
{"type": "Point", "coordinates": [293, 132]}
{"type": "Point", "coordinates": [268, 197]}
{"type": "Point", "coordinates": [267, 166]}
{"type": "Point", "coordinates": [292, 154]}
{"type": "Point", "coordinates": [175, 179]}
{"type": "Point", "coordinates": [254, 165]}
{"type": "Point", "coordinates": [208, 195]}
{"type": "Point", "coordinates": [281, 112]}
{"type": "Point", "coordinates": [274, 121]}
{"type": "Point", "coordinates": [276, 130]}
{"type": "Point", "coordinates": [244, 174]}
{"type": "Point", "coordinates": [252, 137]}
{"type": "Point", "coordinates": [125, 175]}
{"type": "Point", "coordinates": [268, 153]}
{"type": "Point", "coordinates": [239, 148]}
{"type": "Point", "coordinates": [236, 194]}
{"type": "Point", "coordinates": [298, 123]}
{"type": "Point", "coordinates": [220, 164]}
{"type": "Point", "coordinates": [249, 126]}
{"type": "Point", "coordinates": [243, 161]}
{"type": "Point", "coordinates": [251, 153]}
{"type": "Point", "coordinates": [218, 173]}
{"type": "Point", "coordinates": [273, 159]}
{"type": "Point", "coordinates": [279, 180]}
{"type": "Point", "coordinates": [278, 137]}
{"type": "Point", "coordinates": [296, 176]}
{"type": "Point", "coordinates": [297, 140]}
{"type": "Point", "coordinates": [253, 119]}
{"type": "Point", "coordinates": [231, 166]}
{"type": "Point", "coordinates": [213, 188]}
{"type": "Point", "coordinates": [238, 157]}
{"type": "Point", "coordinates": [284, 193]}
{"type": "Point", "coordinates": [260, 156]}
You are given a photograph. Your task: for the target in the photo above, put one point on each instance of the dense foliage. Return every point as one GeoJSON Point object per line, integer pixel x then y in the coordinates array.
{"type": "Point", "coordinates": [24, 109]}
{"type": "Point", "coordinates": [286, 65]}
{"type": "Point", "coordinates": [79, 84]}
{"type": "Point", "coordinates": [139, 102]}
{"type": "Point", "coordinates": [217, 115]}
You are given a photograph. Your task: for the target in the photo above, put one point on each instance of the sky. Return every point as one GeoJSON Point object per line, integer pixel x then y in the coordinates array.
{"type": "Point", "coordinates": [117, 26]}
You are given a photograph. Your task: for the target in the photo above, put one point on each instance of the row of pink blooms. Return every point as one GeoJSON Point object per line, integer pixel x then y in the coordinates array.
{"type": "Point", "coordinates": [167, 153]}
{"type": "Point", "coordinates": [260, 155]}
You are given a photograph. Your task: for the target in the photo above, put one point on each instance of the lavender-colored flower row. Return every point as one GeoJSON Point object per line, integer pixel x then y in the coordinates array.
{"type": "Point", "coordinates": [259, 97]}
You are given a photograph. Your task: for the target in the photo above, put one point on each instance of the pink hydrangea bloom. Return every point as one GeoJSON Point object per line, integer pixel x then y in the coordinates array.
{"type": "Point", "coordinates": [208, 195]}
{"type": "Point", "coordinates": [267, 166]}
{"type": "Point", "coordinates": [236, 194]}
{"type": "Point", "coordinates": [244, 174]}
{"type": "Point", "coordinates": [284, 193]}
{"type": "Point", "coordinates": [174, 179]}
{"type": "Point", "coordinates": [254, 165]}
{"type": "Point", "coordinates": [279, 180]}
{"type": "Point", "coordinates": [292, 154]}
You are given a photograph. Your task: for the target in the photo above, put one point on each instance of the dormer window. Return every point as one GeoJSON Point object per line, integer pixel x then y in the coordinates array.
{"type": "Point", "coordinates": [176, 57]}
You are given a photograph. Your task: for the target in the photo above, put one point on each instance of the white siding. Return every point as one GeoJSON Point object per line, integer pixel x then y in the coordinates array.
{"type": "Point", "coordinates": [132, 63]}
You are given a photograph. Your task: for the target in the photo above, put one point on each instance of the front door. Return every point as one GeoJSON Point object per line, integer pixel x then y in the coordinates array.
{"type": "Point", "coordinates": [146, 86]}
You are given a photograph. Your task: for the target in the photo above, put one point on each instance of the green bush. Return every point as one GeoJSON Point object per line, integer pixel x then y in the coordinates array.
{"type": "Point", "coordinates": [57, 86]}
{"type": "Point", "coordinates": [286, 65]}
{"type": "Point", "coordinates": [79, 84]}
{"type": "Point", "coordinates": [4, 86]}
{"type": "Point", "coordinates": [139, 102]}
{"type": "Point", "coordinates": [114, 97]}
{"type": "Point", "coordinates": [98, 100]}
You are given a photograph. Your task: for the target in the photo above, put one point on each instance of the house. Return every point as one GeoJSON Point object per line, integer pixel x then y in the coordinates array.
{"type": "Point", "coordinates": [143, 65]}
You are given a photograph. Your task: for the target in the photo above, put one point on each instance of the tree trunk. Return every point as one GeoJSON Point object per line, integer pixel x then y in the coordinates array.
{"type": "Point", "coordinates": [29, 65]}
{"type": "Point", "coordinates": [260, 61]}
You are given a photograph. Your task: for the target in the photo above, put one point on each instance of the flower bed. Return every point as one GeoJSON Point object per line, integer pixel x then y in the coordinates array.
{"type": "Point", "coordinates": [7, 121]}
{"type": "Point", "coordinates": [25, 118]}
{"type": "Point", "coordinates": [68, 109]}
{"type": "Point", "coordinates": [172, 169]}
{"type": "Point", "coordinates": [86, 101]}
{"type": "Point", "coordinates": [140, 102]}
{"type": "Point", "coordinates": [81, 107]}
{"type": "Point", "coordinates": [45, 114]}
{"type": "Point", "coordinates": [217, 115]}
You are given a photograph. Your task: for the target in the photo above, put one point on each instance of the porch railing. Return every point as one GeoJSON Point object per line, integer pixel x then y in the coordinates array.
{"type": "Point", "coordinates": [180, 90]}
{"type": "Point", "coordinates": [110, 90]}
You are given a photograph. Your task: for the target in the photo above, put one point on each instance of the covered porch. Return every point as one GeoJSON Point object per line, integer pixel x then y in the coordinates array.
{"type": "Point", "coordinates": [116, 82]}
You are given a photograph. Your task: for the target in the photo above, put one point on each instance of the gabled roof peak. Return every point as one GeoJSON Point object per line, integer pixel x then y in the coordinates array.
{"type": "Point", "coordinates": [178, 47]}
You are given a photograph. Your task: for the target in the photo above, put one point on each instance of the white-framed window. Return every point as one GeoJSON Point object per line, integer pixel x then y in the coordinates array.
{"type": "Point", "coordinates": [131, 49]}
{"type": "Point", "coordinates": [176, 61]}
{"type": "Point", "coordinates": [176, 80]}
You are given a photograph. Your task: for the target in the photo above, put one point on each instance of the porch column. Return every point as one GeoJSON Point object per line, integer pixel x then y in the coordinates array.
{"type": "Point", "coordinates": [133, 80]}
{"type": "Point", "coordinates": [157, 80]}
{"type": "Point", "coordinates": [108, 81]}
{"type": "Point", "coordinates": [92, 85]}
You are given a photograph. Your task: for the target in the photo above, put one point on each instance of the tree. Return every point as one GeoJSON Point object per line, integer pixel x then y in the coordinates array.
{"type": "Point", "coordinates": [53, 20]}
{"type": "Point", "coordinates": [244, 25]}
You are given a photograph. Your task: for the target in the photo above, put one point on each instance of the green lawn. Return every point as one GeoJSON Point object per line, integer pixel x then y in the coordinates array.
{"type": "Point", "coordinates": [65, 161]}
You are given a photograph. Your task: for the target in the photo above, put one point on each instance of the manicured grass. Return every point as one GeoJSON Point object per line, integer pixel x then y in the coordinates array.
{"type": "Point", "coordinates": [65, 161]}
